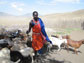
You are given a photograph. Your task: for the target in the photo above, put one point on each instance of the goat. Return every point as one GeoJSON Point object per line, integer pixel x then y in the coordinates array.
{"type": "Point", "coordinates": [57, 41]}
{"type": "Point", "coordinates": [16, 55]}
{"type": "Point", "coordinates": [74, 44]}
{"type": "Point", "coordinates": [24, 50]}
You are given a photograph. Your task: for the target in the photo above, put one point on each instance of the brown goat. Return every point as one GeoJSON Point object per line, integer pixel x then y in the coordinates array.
{"type": "Point", "coordinates": [74, 44]}
{"type": "Point", "coordinates": [63, 37]}
{"type": "Point", "coordinates": [66, 37]}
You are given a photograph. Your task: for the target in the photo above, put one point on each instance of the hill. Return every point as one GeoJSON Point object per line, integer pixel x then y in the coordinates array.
{"type": "Point", "coordinates": [73, 19]}
{"type": "Point", "coordinates": [5, 14]}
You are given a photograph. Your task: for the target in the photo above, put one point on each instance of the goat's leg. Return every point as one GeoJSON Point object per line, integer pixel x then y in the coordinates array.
{"type": "Point", "coordinates": [75, 51]}
{"type": "Point", "coordinates": [17, 61]}
{"type": "Point", "coordinates": [59, 48]}
{"type": "Point", "coordinates": [49, 47]}
{"type": "Point", "coordinates": [65, 45]}
{"type": "Point", "coordinates": [67, 48]}
{"type": "Point", "coordinates": [32, 59]}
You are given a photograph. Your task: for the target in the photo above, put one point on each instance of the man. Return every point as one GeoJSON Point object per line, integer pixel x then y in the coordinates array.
{"type": "Point", "coordinates": [39, 36]}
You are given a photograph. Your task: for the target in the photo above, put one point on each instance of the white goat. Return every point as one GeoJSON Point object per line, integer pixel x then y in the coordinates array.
{"type": "Point", "coordinates": [57, 41]}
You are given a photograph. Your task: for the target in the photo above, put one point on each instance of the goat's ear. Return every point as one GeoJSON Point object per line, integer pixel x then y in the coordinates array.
{"type": "Point", "coordinates": [83, 41]}
{"type": "Point", "coordinates": [68, 37]}
{"type": "Point", "coordinates": [28, 35]}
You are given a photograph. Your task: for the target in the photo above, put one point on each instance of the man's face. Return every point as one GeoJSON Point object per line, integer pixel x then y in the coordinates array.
{"type": "Point", "coordinates": [35, 16]}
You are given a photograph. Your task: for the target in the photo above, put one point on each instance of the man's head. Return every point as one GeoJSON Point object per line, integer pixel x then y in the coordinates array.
{"type": "Point", "coordinates": [35, 15]}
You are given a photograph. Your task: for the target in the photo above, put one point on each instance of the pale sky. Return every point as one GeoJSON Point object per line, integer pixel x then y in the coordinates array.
{"type": "Point", "coordinates": [21, 7]}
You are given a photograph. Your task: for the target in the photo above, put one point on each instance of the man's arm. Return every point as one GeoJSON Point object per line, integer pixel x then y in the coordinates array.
{"type": "Point", "coordinates": [30, 26]}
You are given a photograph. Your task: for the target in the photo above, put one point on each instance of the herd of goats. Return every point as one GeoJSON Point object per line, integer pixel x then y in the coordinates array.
{"type": "Point", "coordinates": [16, 46]}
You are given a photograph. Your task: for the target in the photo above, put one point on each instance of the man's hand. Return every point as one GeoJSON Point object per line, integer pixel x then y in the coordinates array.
{"type": "Point", "coordinates": [47, 43]}
{"type": "Point", "coordinates": [27, 32]}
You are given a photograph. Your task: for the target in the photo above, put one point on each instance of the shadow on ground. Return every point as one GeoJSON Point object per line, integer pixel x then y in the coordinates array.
{"type": "Point", "coordinates": [72, 50]}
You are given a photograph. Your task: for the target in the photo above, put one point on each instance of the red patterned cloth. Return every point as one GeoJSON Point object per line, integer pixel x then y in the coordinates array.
{"type": "Point", "coordinates": [38, 39]}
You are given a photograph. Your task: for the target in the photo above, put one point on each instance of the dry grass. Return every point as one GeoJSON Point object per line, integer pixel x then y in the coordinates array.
{"type": "Point", "coordinates": [60, 20]}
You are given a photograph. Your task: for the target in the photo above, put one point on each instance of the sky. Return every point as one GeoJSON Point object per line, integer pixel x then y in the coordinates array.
{"type": "Point", "coordinates": [21, 7]}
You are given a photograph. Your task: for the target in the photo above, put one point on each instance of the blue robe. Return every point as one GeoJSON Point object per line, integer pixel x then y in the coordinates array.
{"type": "Point", "coordinates": [43, 30]}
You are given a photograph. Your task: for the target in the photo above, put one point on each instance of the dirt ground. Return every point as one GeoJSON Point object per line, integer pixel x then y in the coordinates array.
{"type": "Point", "coordinates": [63, 56]}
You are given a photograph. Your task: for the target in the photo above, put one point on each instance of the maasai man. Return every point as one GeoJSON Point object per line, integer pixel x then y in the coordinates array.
{"type": "Point", "coordinates": [39, 36]}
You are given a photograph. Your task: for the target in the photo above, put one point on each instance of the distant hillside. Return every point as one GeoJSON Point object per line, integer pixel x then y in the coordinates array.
{"type": "Point", "coordinates": [27, 15]}
{"type": "Point", "coordinates": [5, 14]}
{"type": "Point", "coordinates": [77, 13]}
{"type": "Point", "coordinates": [73, 19]}
{"type": "Point", "coordinates": [69, 19]}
